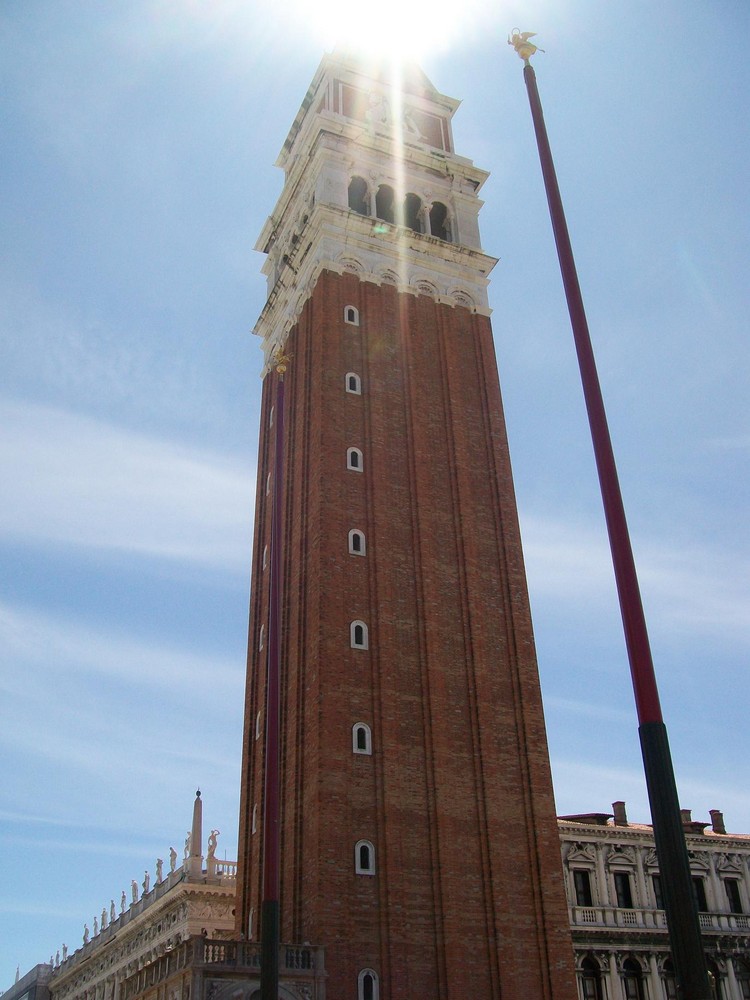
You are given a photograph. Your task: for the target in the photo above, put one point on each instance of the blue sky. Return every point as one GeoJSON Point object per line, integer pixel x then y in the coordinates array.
{"type": "Point", "coordinates": [137, 171]}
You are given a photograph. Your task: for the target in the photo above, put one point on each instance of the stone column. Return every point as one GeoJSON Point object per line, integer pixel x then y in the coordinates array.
{"type": "Point", "coordinates": [613, 978]}
{"type": "Point", "coordinates": [732, 986]}
{"type": "Point", "coordinates": [657, 989]}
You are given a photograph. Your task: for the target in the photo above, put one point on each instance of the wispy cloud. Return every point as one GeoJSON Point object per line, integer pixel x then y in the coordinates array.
{"type": "Point", "coordinates": [700, 589]}
{"type": "Point", "coordinates": [72, 480]}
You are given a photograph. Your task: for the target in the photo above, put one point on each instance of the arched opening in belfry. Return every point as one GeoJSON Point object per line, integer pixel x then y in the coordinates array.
{"type": "Point", "coordinates": [439, 221]}
{"type": "Point", "coordinates": [384, 203]}
{"type": "Point", "coordinates": [413, 212]}
{"type": "Point", "coordinates": [359, 201]}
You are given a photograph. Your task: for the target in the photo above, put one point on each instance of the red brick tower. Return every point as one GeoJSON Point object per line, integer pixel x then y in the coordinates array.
{"type": "Point", "coordinates": [418, 836]}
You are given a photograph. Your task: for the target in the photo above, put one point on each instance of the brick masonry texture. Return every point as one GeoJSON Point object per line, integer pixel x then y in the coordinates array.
{"type": "Point", "coordinates": [467, 897]}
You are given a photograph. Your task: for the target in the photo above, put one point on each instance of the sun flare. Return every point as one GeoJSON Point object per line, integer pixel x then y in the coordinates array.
{"type": "Point", "coordinates": [399, 31]}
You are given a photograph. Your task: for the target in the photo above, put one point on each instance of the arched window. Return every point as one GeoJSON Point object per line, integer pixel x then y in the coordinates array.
{"type": "Point", "coordinates": [742, 971]}
{"type": "Point", "coordinates": [714, 980]}
{"type": "Point", "coordinates": [270, 418]}
{"type": "Point", "coordinates": [257, 726]}
{"type": "Point", "coordinates": [265, 556]}
{"type": "Point", "coordinates": [364, 858]}
{"type": "Point", "coordinates": [361, 738]}
{"type": "Point", "coordinates": [384, 203]}
{"type": "Point", "coordinates": [670, 983]}
{"type": "Point", "coordinates": [632, 980]}
{"type": "Point", "coordinates": [591, 980]}
{"type": "Point", "coordinates": [250, 922]}
{"type": "Point", "coordinates": [357, 543]}
{"type": "Point", "coordinates": [359, 201]}
{"type": "Point", "coordinates": [262, 637]}
{"type": "Point", "coordinates": [358, 635]}
{"type": "Point", "coordinates": [367, 985]}
{"type": "Point", "coordinates": [354, 459]}
{"type": "Point", "coordinates": [351, 315]}
{"type": "Point", "coordinates": [268, 484]}
{"type": "Point", "coordinates": [353, 383]}
{"type": "Point", "coordinates": [254, 826]}
{"type": "Point", "coordinates": [439, 221]}
{"type": "Point", "coordinates": [413, 212]}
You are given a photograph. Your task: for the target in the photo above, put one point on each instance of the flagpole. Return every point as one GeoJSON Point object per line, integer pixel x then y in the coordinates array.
{"type": "Point", "coordinates": [270, 933]}
{"type": "Point", "coordinates": [674, 865]}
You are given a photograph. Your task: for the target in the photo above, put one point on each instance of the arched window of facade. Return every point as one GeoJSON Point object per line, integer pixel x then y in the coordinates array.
{"type": "Point", "coordinates": [668, 978]}
{"type": "Point", "coordinates": [715, 980]}
{"type": "Point", "coordinates": [351, 315]}
{"type": "Point", "coordinates": [357, 543]}
{"type": "Point", "coordinates": [364, 858]}
{"type": "Point", "coordinates": [439, 225]}
{"type": "Point", "coordinates": [353, 383]}
{"type": "Point", "coordinates": [632, 980]}
{"type": "Point", "coordinates": [368, 987]}
{"type": "Point", "coordinates": [413, 212]}
{"type": "Point", "coordinates": [591, 980]}
{"type": "Point", "coordinates": [385, 203]}
{"type": "Point", "coordinates": [358, 635]}
{"type": "Point", "coordinates": [742, 972]}
{"type": "Point", "coordinates": [361, 738]}
{"type": "Point", "coordinates": [354, 459]}
{"type": "Point", "coordinates": [359, 200]}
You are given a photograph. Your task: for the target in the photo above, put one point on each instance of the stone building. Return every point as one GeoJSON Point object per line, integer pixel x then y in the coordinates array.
{"type": "Point", "coordinates": [617, 921]}
{"type": "Point", "coordinates": [173, 939]}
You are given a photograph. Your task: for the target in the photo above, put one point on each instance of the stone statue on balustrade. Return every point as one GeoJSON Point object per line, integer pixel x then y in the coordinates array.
{"type": "Point", "coordinates": [112, 914]}
{"type": "Point", "coordinates": [212, 841]}
{"type": "Point", "coordinates": [134, 890]}
{"type": "Point", "coordinates": [85, 933]}
{"type": "Point", "coordinates": [172, 859]}
{"type": "Point", "coordinates": [123, 901]}
{"type": "Point", "coordinates": [146, 882]}
{"type": "Point", "coordinates": [159, 864]}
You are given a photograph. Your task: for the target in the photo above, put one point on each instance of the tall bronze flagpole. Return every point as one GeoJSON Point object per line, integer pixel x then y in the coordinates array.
{"type": "Point", "coordinates": [674, 865]}
{"type": "Point", "coordinates": [270, 910]}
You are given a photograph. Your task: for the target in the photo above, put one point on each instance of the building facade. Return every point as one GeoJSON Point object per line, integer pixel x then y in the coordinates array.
{"type": "Point", "coordinates": [418, 836]}
{"type": "Point", "coordinates": [617, 922]}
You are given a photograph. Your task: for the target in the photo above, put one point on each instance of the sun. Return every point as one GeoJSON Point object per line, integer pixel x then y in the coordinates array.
{"type": "Point", "coordinates": [398, 30]}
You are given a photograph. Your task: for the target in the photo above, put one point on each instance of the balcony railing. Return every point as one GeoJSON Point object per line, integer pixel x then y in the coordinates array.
{"type": "Point", "coordinates": [612, 916]}
{"type": "Point", "coordinates": [196, 953]}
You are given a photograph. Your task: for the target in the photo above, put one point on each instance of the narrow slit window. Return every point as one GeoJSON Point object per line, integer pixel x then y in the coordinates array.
{"type": "Point", "coordinates": [354, 459]}
{"type": "Point", "coordinates": [357, 542]}
{"type": "Point", "coordinates": [358, 635]}
{"type": "Point", "coordinates": [367, 985]}
{"type": "Point", "coordinates": [353, 383]}
{"type": "Point", "coordinates": [364, 858]}
{"type": "Point", "coordinates": [361, 738]}
{"type": "Point", "coordinates": [255, 819]}
{"type": "Point", "coordinates": [262, 637]}
{"type": "Point", "coordinates": [257, 726]}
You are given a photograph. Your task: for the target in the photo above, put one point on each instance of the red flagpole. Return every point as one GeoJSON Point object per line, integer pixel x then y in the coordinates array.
{"type": "Point", "coordinates": [679, 903]}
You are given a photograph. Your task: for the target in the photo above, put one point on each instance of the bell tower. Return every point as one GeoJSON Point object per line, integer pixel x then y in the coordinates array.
{"type": "Point", "coordinates": [418, 836]}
